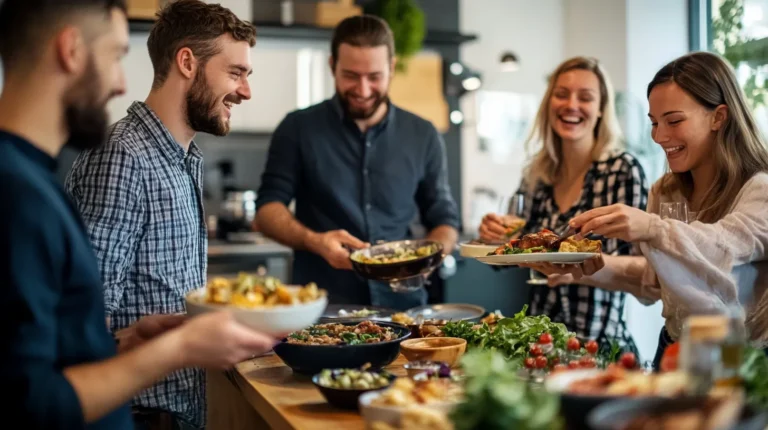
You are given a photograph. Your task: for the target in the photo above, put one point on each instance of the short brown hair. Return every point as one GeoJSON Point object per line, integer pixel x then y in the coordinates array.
{"type": "Point", "coordinates": [196, 25]}
{"type": "Point", "coordinates": [25, 25]}
{"type": "Point", "coordinates": [362, 31]}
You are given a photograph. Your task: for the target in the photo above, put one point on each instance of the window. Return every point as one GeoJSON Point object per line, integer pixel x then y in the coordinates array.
{"type": "Point", "coordinates": [738, 30]}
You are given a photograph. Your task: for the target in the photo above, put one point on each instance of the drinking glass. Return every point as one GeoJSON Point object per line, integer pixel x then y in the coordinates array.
{"type": "Point", "coordinates": [674, 210]}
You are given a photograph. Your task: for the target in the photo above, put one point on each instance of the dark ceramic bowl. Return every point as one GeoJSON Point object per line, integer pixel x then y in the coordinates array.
{"type": "Point", "coordinates": [401, 270]}
{"type": "Point", "coordinates": [346, 398]}
{"type": "Point", "coordinates": [615, 415]}
{"type": "Point", "coordinates": [575, 408]}
{"type": "Point", "coordinates": [311, 359]}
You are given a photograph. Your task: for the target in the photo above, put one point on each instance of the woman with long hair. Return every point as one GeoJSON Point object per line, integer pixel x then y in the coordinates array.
{"type": "Point", "coordinates": [718, 166]}
{"type": "Point", "coordinates": [579, 167]}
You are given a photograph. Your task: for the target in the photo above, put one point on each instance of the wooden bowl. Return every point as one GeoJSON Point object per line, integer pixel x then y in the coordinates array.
{"type": "Point", "coordinates": [447, 349]}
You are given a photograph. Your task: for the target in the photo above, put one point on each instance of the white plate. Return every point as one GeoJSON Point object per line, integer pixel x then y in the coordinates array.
{"type": "Point", "coordinates": [538, 257]}
{"type": "Point", "coordinates": [274, 321]}
{"type": "Point", "coordinates": [392, 414]}
{"type": "Point", "coordinates": [473, 250]}
{"type": "Point", "coordinates": [560, 381]}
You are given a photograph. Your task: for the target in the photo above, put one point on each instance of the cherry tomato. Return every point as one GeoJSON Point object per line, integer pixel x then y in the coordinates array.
{"type": "Point", "coordinates": [592, 347]}
{"type": "Point", "coordinates": [628, 360]}
{"type": "Point", "coordinates": [574, 364]}
{"type": "Point", "coordinates": [669, 359]}
{"type": "Point", "coordinates": [536, 350]}
{"type": "Point", "coordinates": [545, 338]}
{"type": "Point", "coordinates": [541, 362]}
{"type": "Point", "coordinates": [573, 344]}
{"type": "Point", "coordinates": [530, 363]}
{"type": "Point", "coordinates": [588, 362]}
{"type": "Point", "coordinates": [559, 368]}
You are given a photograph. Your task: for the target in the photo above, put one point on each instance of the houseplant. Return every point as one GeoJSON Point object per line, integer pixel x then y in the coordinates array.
{"type": "Point", "coordinates": [408, 24]}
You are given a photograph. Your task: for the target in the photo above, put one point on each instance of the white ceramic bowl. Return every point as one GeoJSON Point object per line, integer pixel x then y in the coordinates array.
{"type": "Point", "coordinates": [276, 321]}
{"type": "Point", "coordinates": [560, 381]}
{"type": "Point", "coordinates": [392, 414]}
{"type": "Point", "coordinates": [473, 250]}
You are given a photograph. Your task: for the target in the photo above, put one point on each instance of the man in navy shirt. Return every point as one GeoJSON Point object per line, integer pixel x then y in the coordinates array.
{"type": "Point", "coordinates": [360, 169]}
{"type": "Point", "coordinates": [61, 64]}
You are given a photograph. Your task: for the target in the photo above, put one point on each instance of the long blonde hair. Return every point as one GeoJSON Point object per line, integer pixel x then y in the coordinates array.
{"type": "Point", "coordinates": [740, 151]}
{"type": "Point", "coordinates": [546, 162]}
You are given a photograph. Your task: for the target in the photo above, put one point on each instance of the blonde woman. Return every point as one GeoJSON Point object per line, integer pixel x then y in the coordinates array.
{"type": "Point", "coordinates": [577, 168]}
{"type": "Point", "coordinates": [719, 168]}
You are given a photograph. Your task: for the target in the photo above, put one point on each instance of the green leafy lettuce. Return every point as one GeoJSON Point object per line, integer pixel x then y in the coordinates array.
{"type": "Point", "coordinates": [510, 336]}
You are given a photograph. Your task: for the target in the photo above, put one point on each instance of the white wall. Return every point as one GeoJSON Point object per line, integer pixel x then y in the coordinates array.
{"type": "Point", "coordinates": [533, 30]}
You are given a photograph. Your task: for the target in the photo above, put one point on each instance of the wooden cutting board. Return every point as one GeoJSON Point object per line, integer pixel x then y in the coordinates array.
{"type": "Point", "coordinates": [419, 89]}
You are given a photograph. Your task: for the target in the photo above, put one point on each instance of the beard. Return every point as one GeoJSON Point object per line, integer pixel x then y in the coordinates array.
{"type": "Point", "coordinates": [361, 114]}
{"type": "Point", "coordinates": [86, 111]}
{"type": "Point", "coordinates": [203, 110]}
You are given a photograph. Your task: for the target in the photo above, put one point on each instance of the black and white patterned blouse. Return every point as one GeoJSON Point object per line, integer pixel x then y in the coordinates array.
{"type": "Point", "coordinates": [590, 312]}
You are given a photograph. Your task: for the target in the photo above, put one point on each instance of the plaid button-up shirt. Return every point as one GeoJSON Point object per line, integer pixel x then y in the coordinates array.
{"type": "Point", "coordinates": [140, 196]}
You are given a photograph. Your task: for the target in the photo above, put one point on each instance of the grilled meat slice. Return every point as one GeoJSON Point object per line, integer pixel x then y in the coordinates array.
{"type": "Point", "coordinates": [544, 238]}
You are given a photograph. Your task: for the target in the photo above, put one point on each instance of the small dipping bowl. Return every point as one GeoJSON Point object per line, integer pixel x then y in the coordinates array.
{"type": "Point", "coordinates": [445, 349]}
{"type": "Point", "coordinates": [413, 368]}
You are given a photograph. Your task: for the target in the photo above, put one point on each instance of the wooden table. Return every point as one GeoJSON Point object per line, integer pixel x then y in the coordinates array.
{"type": "Point", "coordinates": [279, 398]}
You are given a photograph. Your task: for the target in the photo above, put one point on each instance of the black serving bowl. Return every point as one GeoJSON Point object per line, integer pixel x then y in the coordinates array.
{"type": "Point", "coordinates": [346, 398]}
{"type": "Point", "coordinates": [399, 270]}
{"type": "Point", "coordinates": [575, 408]}
{"type": "Point", "coordinates": [311, 359]}
{"type": "Point", "coordinates": [617, 414]}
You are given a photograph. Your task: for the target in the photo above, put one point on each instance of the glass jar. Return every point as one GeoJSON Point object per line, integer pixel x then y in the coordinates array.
{"type": "Point", "coordinates": [711, 348]}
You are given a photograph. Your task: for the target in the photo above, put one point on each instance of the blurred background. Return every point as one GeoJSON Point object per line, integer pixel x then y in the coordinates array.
{"type": "Point", "coordinates": [477, 69]}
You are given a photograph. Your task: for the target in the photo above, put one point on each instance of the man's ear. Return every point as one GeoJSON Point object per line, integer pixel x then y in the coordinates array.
{"type": "Point", "coordinates": [71, 50]}
{"type": "Point", "coordinates": [186, 63]}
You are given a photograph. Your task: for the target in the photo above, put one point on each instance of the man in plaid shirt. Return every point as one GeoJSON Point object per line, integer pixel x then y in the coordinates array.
{"type": "Point", "coordinates": [141, 194]}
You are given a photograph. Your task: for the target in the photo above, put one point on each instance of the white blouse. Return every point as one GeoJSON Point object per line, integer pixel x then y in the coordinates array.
{"type": "Point", "coordinates": [700, 267]}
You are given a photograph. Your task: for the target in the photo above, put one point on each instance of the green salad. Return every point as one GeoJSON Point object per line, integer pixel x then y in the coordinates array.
{"type": "Point", "coordinates": [511, 336]}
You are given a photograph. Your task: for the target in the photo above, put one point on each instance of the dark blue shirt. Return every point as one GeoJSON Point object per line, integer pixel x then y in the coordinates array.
{"type": "Point", "coordinates": [52, 307]}
{"type": "Point", "coordinates": [373, 184]}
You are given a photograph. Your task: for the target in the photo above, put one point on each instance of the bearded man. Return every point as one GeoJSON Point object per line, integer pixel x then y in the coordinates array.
{"type": "Point", "coordinates": [140, 194]}
{"type": "Point", "coordinates": [360, 169]}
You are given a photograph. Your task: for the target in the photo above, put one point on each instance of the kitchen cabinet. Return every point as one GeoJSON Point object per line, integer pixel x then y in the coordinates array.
{"type": "Point", "coordinates": [274, 89]}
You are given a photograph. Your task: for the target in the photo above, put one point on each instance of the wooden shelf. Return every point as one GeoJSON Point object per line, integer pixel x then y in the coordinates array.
{"type": "Point", "coordinates": [273, 30]}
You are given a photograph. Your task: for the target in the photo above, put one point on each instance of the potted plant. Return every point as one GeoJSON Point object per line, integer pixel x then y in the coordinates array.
{"type": "Point", "coordinates": [408, 24]}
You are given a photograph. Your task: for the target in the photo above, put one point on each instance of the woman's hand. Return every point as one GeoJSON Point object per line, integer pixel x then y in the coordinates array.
{"type": "Point", "coordinates": [616, 222]}
{"type": "Point", "coordinates": [493, 228]}
{"type": "Point", "coordinates": [564, 274]}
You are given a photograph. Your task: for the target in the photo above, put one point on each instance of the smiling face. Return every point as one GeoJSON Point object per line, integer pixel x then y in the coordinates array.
{"type": "Point", "coordinates": [574, 107]}
{"type": "Point", "coordinates": [362, 76]}
{"type": "Point", "coordinates": [683, 127]}
{"type": "Point", "coordinates": [218, 86]}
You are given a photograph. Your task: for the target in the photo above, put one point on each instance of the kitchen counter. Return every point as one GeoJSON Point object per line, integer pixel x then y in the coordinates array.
{"type": "Point", "coordinates": [281, 399]}
{"type": "Point", "coordinates": [230, 258]}
{"type": "Point", "coordinates": [261, 247]}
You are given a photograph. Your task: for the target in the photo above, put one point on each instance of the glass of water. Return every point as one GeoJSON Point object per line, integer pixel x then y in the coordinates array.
{"type": "Point", "coordinates": [674, 210]}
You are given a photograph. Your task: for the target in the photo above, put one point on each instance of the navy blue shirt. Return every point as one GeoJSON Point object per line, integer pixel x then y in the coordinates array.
{"type": "Point", "coordinates": [52, 307]}
{"type": "Point", "coordinates": [373, 184]}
